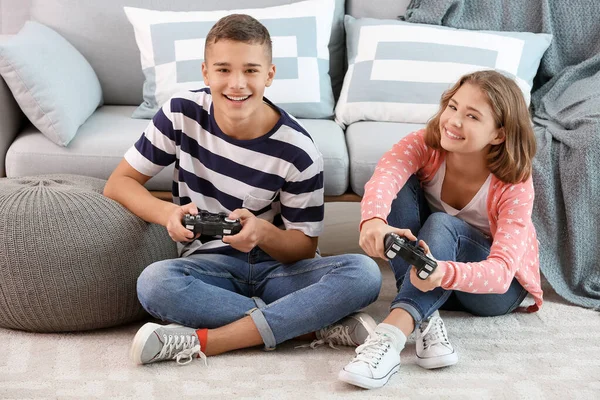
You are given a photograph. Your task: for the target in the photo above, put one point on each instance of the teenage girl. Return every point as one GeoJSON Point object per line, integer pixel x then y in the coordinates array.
{"type": "Point", "coordinates": [463, 187]}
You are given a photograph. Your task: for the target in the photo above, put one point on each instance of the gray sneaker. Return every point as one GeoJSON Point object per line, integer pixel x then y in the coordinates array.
{"type": "Point", "coordinates": [350, 331]}
{"type": "Point", "coordinates": [154, 342]}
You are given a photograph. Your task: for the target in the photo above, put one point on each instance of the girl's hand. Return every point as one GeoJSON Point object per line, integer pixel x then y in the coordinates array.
{"type": "Point", "coordinates": [175, 227]}
{"type": "Point", "coordinates": [372, 235]}
{"type": "Point", "coordinates": [433, 281]}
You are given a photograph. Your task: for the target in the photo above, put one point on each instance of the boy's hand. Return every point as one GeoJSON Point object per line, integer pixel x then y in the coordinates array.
{"type": "Point", "coordinates": [372, 235]}
{"type": "Point", "coordinates": [251, 234]}
{"type": "Point", "coordinates": [433, 281]}
{"type": "Point", "coordinates": [176, 230]}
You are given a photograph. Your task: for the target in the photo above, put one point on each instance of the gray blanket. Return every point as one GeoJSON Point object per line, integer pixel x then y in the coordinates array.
{"type": "Point", "coordinates": [566, 114]}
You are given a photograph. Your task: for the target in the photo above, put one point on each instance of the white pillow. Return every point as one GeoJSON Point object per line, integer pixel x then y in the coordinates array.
{"type": "Point", "coordinates": [54, 85]}
{"type": "Point", "coordinates": [398, 71]}
{"type": "Point", "coordinates": [171, 46]}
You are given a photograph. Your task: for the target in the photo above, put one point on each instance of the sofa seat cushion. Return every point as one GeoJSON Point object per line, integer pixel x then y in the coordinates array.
{"type": "Point", "coordinates": [367, 141]}
{"type": "Point", "coordinates": [104, 138]}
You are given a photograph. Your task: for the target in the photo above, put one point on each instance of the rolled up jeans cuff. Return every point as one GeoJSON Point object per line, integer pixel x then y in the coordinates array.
{"type": "Point", "coordinates": [262, 325]}
{"type": "Point", "coordinates": [259, 302]}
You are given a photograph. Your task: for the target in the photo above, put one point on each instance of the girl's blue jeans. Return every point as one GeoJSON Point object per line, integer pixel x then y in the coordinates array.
{"type": "Point", "coordinates": [449, 239]}
{"type": "Point", "coordinates": [284, 300]}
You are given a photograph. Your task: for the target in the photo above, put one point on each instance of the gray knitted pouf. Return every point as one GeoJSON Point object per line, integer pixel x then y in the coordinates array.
{"type": "Point", "coordinates": [70, 257]}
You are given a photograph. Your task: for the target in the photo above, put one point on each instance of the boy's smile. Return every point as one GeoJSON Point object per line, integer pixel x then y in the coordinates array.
{"type": "Point", "coordinates": [237, 74]}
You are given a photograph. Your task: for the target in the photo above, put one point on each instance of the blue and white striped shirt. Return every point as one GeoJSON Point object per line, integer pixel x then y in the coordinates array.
{"type": "Point", "coordinates": [277, 176]}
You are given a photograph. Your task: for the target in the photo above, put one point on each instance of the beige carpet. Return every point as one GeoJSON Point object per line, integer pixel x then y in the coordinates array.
{"type": "Point", "coordinates": [553, 354]}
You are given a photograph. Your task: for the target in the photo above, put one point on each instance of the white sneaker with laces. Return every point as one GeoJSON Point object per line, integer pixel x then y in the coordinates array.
{"type": "Point", "coordinates": [350, 331]}
{"type": "Point", "coordinates": [433, 347]}
{"type": "Point", "coordinates": [376, 360]}
{"type": "Point", "coordinates": [154, 342]}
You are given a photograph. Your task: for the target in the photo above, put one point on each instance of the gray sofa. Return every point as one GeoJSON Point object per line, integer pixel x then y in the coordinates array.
{"type": "Point", "coordinates": [105, 38]}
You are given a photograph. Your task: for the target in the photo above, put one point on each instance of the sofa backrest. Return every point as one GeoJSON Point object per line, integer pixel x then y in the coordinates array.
{"type": "Point", "coordinates": [13, 14]}
{"type": "Point", "coordinates": [382, 9]}
{"type": "Point", "coordinates": [102, 33]}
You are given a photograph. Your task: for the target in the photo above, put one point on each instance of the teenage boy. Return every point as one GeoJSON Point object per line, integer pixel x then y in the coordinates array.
{"type": "Point", "coordinates": [236, 152]}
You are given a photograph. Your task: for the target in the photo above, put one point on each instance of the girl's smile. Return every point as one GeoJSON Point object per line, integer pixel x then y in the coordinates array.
{"type": "Point", "coordinates": [467, 123]}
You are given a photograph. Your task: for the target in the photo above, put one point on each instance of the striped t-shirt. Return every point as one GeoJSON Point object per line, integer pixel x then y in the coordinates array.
{"type": "Point", "coordinates": [277, 176]}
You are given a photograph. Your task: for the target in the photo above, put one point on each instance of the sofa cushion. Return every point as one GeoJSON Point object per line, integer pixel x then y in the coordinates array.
{"type": "Point", "coordinates": [398, 70]}
{"type": "Point", "coordinates": [330, 141]}
{"type": "Point", "coordinates": [172, 44]}
{"type": "Point", "coordinates": [367, 141]}
{"type": "Point", "coordinates": [101, 32]}
{"type": "Point", "coordinates": [53, 84]}
{"type": "Point", "coordinates": [95, 151]}
{"type": "Point", "coordinates": [105, 137]}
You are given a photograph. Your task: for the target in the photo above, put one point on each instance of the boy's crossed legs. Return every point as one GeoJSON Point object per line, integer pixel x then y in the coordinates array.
{"type": "Point", "coordinates": [247, 299]}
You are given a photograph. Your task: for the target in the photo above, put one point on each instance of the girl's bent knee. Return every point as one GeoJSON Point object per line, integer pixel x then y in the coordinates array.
{"type": "Point", "coordinates": [440, 219]}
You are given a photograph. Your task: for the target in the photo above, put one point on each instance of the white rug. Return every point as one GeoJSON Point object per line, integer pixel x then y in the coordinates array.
{"type": "Point", "coordinates": [552, 354]}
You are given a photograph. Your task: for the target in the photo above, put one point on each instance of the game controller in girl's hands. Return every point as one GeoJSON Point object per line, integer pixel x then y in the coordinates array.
{"type": "Point", "coordinates": [411, 253]}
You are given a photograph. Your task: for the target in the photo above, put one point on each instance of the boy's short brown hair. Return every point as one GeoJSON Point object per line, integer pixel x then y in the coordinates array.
{"type": "Point", "coordinates": [511, 161]}
{"type": "Point", "coordinates": [240, 28]}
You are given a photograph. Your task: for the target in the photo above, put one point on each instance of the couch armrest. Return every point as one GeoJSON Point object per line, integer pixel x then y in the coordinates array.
{"type": "Point", "coordinates": [11, 118]}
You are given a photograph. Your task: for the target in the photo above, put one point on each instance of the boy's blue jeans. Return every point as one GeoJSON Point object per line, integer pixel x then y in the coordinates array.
{"type": "Point", "coordinates": [284, 300]}
{"type": "Point", "coordinates": [449, 239]}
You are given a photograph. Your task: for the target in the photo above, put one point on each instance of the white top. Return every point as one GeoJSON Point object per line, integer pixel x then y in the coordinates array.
{"type": "Point", "coordinates": [474, 213]}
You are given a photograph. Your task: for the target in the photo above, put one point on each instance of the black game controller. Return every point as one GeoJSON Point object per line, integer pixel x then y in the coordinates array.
{"type": "Point", "coordinates": [412, 254]}
{"type": "Point", "coordinates": [209, 224]}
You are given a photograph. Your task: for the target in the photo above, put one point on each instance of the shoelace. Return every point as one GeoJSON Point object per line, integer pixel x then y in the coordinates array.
{"type": "Point", "coordinates": [337, 334]}
{"type": "Point", "coordinates": [373, 349]}
{"type": "Point", "coordinates": [181, 347]}
{"type": "Point", "coordinates": [434, 333]}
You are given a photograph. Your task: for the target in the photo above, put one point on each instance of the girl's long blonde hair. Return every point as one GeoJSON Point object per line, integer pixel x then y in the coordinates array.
{"type": "Point", "coordinates": [511, 160]}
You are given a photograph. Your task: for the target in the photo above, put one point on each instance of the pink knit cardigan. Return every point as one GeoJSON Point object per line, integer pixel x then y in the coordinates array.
{"type": "Point", "coordinates": [514, 251]}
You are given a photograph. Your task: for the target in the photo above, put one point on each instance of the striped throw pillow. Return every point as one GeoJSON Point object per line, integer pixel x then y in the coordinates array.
{"type": "Point", "coordinates": [398, 71]}
{"type": "Point", "coordinates": [171, 45]}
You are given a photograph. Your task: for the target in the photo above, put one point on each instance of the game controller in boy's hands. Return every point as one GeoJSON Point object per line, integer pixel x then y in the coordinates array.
{"type": "Point", "coordinates": [412, 254]}
{"type": "Point", "coordinates": [209, 224]}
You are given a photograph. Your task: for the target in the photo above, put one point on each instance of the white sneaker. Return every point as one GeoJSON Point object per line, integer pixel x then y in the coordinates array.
{"type": "Point", "coordinates": [433, 347]}
{"type": "Point", "coordinates": [154, 342]}
{"type": "Point", "coordinates": [350, 331]}
{"type": "Point", "coordinates": [375, 362]}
